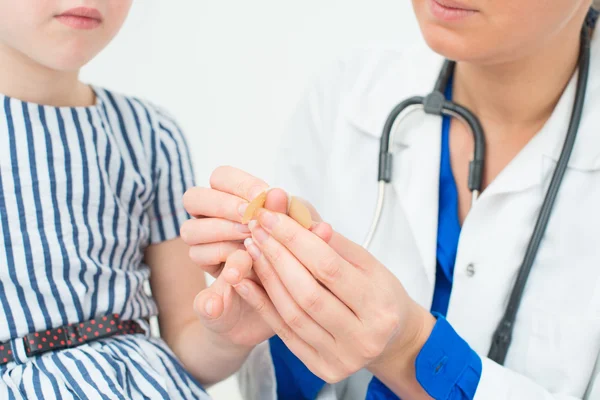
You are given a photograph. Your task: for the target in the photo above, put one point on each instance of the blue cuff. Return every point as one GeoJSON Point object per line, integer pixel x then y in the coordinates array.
{"type": "Point", "coordinates": [447, 368]}
{"type": "Point", "coordinates": [294, 380]}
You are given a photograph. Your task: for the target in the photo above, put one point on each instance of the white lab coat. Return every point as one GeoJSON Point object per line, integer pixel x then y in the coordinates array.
{"type": "Point", "coordinates": [330, 157]}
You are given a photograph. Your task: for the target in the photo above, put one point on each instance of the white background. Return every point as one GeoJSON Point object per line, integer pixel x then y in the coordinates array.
{"type": "Point", "coordinates": [231, 71]}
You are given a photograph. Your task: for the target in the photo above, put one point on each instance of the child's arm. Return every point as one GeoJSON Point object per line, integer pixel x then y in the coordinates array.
{"type": "Point", "coordinates": [175, 282]}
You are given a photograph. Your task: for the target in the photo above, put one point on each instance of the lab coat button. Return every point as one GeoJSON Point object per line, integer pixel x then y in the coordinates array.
{"type": "Point", "coordinates": [471, 270]}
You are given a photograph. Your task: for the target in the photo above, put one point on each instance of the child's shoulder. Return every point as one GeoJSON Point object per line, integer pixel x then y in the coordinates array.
{"type": "Point", "coordinates": [131, 108]}
{"type": "Point", "coordinates": [142, 127]}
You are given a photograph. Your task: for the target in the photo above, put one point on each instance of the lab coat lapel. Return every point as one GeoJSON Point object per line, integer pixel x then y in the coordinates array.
{"type": "Point", "coordinates": [417, 168]}
{"type": "Point", "coordinates": [416, 148]}
{"type": "Point", "coordinates": [528, 168]}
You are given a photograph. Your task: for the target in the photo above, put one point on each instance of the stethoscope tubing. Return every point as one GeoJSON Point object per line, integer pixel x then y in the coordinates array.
{"type": "Point", "coordinates": [436, 104]}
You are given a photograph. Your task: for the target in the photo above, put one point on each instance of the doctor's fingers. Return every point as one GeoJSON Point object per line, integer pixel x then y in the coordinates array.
{"type": "Point", "coordinates": [293, 315]}
{"type": "Point", "coordinates": [237, 182]}
{"type": "Point", "coordinates": [211, 257]}
{"type": "Point", "coordinates": [322, 357]}
{"type": "Point", "coordinates": [212, 230]}
{"type": "Point", "coordinates": [284, 271]}
{"type": "Point", "coordinates": [352, 252]}
{"type": "Point", "coordinates": [345, 281]}
{"type": "Point", "coordinates": [258, 299]}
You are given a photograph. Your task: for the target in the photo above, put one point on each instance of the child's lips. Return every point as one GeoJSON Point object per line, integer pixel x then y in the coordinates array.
{"type": "Point", "coordinates": [81, 18]}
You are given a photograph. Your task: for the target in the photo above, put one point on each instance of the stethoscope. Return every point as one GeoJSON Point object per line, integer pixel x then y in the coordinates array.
{"type": "Point", "coordinates": [436, 104]}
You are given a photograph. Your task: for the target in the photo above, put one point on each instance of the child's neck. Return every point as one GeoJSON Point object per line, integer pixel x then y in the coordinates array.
{"type": "Point", "coordinates": [24, 79]}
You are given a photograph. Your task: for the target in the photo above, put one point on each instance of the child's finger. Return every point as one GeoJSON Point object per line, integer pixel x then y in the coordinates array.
{"type": "Point", "coordinates": [237, 267]}
{"type": "Point", "coordinates": [211, 303]}
{"type": "Point", "coordinates": [209, 257]}
{"type": "Point", "coordinates": [206, 202]}
{"type": "Point", "coordinates": [237, 182]}
{"type": "Point", "coordinates": [212, 230]}
{"type": "Point", "coordinates": [208, 304]}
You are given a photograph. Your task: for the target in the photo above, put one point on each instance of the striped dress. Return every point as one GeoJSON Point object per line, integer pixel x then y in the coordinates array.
{"type": "Point", "coordinates": [83, 191]}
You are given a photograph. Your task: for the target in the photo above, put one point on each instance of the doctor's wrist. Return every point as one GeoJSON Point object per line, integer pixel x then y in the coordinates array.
{"type": "Point", "coordinates": [396, 365]}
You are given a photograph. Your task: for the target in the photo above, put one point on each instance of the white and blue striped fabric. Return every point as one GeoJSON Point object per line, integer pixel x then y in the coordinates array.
{"type": "Point", "coordinates": [83, 191]}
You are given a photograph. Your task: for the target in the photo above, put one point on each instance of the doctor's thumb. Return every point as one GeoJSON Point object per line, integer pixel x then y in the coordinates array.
{"type": "Point", "coordinates": [278, 201]}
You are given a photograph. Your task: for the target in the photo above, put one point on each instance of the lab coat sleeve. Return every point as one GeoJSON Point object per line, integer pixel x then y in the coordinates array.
{"type": "Point", "coordinates": [257, 376]}
{"type": "Point", "coordinates": [301, 170]}
{"type": "Point", "coordinates": [500, 383]}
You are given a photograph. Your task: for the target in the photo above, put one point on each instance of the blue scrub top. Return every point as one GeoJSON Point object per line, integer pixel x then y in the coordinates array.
{"type": "Point", "coordinates": [448, 223]}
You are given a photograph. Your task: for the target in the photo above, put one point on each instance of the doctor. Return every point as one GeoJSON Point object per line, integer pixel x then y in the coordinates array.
{"type": "Point", "coordinates": [414, 317]}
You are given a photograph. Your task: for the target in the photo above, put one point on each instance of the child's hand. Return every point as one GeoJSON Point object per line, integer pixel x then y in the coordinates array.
{"type": "Point", "coordinates": [217, 231]}
{"type": "Point", "coordinates": [225, 313]}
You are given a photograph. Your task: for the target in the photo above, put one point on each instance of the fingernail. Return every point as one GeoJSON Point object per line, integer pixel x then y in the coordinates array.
{"type": "Point", "coordinates": [233, 274]}
{"type": "Point", "coordinates": [268, 219]}
{"type": "Point", "coordinates": [242, 289]}
{"type": "Point", "coordinates": [242, 209]}
{"type": "Point", "coordinates": [209, 307]}
{"type": "Point", "coordinates": [242, 228]}
{"type": "Point", "coordinates": [252, 225]}
{"type": "Point", "coordinates": [260, 235]}
{"type": "Point", "coordinates": [252, 249]}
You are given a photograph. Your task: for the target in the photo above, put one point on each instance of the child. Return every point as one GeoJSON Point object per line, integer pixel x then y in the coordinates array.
{"type": "Point", "coordinates": [90, 208]}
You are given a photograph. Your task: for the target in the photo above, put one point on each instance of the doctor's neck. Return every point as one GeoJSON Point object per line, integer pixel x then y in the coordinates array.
{"type": "Point", "coordinates": [25, 79]}
{"type": "Point", "coordinates": [521, 94]}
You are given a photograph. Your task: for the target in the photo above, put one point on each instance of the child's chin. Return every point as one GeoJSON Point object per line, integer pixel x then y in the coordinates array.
{"type": "Point", "coordinates": [69, 65]}
{"type": "Point", "coordinates": [67, 62]}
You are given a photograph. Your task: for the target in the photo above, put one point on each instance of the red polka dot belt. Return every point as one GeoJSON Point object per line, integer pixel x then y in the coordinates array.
{"type": "Point", "coordinates": [69, 336]}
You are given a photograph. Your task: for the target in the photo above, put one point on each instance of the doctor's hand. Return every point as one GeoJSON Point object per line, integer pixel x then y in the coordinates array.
{"type": "Point", "coordinates": [333, 304]}
{"type": "Point", "coordinates": [216, 238]}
